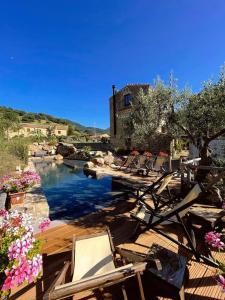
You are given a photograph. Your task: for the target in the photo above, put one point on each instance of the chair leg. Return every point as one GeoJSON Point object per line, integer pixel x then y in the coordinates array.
{"type": "Point", "coordinates": [124, 293]}
{"type": "Point", "coordinates": [140, 286]}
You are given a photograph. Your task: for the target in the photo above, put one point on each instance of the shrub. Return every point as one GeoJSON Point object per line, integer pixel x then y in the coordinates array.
{"type": "Point", "coordinates": [19, 148]}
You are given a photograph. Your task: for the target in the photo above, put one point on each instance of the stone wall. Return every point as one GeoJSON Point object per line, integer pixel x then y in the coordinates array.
{"type": "Point", "coordinates": [94, 146]}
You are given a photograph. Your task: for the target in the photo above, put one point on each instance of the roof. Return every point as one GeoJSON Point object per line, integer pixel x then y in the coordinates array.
{"type": "Point", "coordinates": [44, 126]}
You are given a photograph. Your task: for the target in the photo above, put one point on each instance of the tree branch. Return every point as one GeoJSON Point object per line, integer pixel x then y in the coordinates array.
{"type": "Point", "coordinates": [213, 137]}
{"type": "Point", "coordinates": [186, 131]}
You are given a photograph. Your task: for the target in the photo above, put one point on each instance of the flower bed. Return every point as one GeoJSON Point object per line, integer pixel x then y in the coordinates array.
{"type": "Point", "coordinates": [19, 182]}
{"type": "Point", "coordinates": [20, 258]}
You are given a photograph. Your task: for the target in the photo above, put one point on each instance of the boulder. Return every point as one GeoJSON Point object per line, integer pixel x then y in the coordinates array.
{"type": "Point", "coordinates": [99, 154]}
{"type": "Point", "coordinates": [66, 149]}
{"type": "Point", "coordinates": [98, 161]}
{"type": "Point", "coordinates": [79, 155]}
{"type": "Point", "coordinates": [109, 153]}
{"type": "Point", "coordinates": [108, 160]}
{"type": "Point", "coordinates": [32, 148]}
{"type": "Point", "coordinates": [47, 148]}
{"type": "Point", "coordinates": [58, 157]}
{"type": "Point", "coordinates": [89, 165]}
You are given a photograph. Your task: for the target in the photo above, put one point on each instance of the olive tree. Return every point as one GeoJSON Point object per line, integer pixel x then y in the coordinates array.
{"type": "Point", "coordinates": [201, 116]}
{"type": "Point", "coordinates": [198, 116]}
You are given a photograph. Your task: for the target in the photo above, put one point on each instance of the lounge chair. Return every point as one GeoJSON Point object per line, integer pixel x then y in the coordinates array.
{"type": "Point", "coordinates": [155, 164]}
{"type": "Point", "coordinates": [137, 163]}
{"type": "Point", "coordinates": [156, 189]}
{"type": "Point", "coordinates": [126, 164]}
{"type": "Point", "coordinates": [153, 219]}
{"type": "Point", "coordinates": [93, 268]}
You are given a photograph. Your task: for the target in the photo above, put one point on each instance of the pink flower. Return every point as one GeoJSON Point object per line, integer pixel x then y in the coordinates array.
{"type": "Point", "coordinates": [212, 238]}
{"type": "Point", "coordinates": [44, 224]}
{"type": "Point", "coordinates": [3, 213]}
{"type": "Point", "coordinates": [221, 282]}
{"type": "Point", "coordinates": [25, 270]}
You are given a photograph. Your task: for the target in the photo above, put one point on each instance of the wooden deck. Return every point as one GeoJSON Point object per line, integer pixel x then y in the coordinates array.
{"type": "Point", "coordinates": [57, 247]}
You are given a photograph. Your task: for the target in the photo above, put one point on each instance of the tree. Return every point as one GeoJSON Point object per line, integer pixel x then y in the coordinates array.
{"type": "Point", "coordinates": [200, 117]}
{"type": "Point", "coordinates": [9, 121]}
{"type": "Point", "coordinates": [150, 111]}
{"type": "Point", "coordinates": [70, 130]}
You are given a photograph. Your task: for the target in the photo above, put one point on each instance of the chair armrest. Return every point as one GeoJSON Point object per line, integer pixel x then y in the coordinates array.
{"type": "Point", "coordinates": [99, 281]}
{"type": "Point", "coordinates": [60, 279]}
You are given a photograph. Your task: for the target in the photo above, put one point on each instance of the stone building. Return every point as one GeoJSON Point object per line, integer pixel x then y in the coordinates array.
{"type": "Point", "coordinates": [120, 104]}
{"type": "Point", "coordinates": [28, 129]}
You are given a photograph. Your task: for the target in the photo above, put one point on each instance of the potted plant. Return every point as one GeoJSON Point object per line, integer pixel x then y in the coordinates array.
{"type": "Point", "coordinates": [16, 185]}
{"type": "Point", "coordinates": [20, 258]}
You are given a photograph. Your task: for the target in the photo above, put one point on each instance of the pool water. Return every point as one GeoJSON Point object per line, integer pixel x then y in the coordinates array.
{"type": "Point", "coordinates": [70, 193]}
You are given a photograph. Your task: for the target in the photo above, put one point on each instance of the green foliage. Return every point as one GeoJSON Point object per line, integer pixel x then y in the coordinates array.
{"type": "Point", "coordinates": [150, 112]}
{"type": "Point", "coordinates": [200, 117]}
{"type": "Point", "coordinates": [87, 150]}
{"type": "Point", "coordinates": [40, 117]}
{"type": "Point", "coordinates": [19, 148]}
{"type": "Point", "coordinates": [70, 130]}
{"type": "Point", "coordinates": [9, 121]}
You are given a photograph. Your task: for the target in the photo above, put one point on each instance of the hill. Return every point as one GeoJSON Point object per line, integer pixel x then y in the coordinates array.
{"type": "Point", "coordinates": [28, 117]}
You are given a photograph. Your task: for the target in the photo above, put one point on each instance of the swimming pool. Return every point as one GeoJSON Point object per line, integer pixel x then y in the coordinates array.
{"type": "Point", "coordinates": [70, 193]}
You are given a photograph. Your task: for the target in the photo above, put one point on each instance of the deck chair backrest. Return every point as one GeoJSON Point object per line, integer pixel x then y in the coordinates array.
{"type": "Point", "coordinates": [129, 160]}
{"type": "Point", "coordinates": [92, 255]}
{"type": "Point", "coordinates": [160, 160]}
{"type": "Point", "coordinates": [181, 208]}
{"type": "Point", "coordinates": [139, 162]}
{"type": "Point", "coordinates": [166, 180]}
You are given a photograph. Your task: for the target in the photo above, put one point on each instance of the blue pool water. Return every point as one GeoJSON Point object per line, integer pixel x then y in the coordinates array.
{"type": "Point", "coordinates": [70, 193]}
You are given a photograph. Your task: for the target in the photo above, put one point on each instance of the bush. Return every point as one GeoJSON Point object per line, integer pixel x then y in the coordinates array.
{"type": "Point", "coordinates": [19, 148]}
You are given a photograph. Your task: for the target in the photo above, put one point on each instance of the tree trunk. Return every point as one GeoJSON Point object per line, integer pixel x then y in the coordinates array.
{"type": "Point", "coordinates": [206, 160]}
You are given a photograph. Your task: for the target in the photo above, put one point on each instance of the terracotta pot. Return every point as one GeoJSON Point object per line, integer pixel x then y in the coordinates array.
{"type": "Point", "coordinates": [17, 198]}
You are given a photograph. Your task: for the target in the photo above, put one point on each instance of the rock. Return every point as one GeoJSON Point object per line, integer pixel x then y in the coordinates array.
{"type": "Point", "coordinates": [58, 157]}
{"type": "Point", "coordinates": [99, 154]}
{"type": "Point", "coordinates": [66, 149]}
{"type": "Point", "coordinates": [108, 160]}
{"type": "Point", "coordinates": [80, 155]}
{"type": "Point", "coordinates": [32, 148]}
{"type": "Point", "coordinates": [109, 153]}
{"type": "Point", "coordinates": [47, 148]}
{"type": "Point", "coordinates": [98, 161]}
{"type": "Point", "coordinates": [53, 152]}
{"type": "Point", "coordinates": [89, 165]}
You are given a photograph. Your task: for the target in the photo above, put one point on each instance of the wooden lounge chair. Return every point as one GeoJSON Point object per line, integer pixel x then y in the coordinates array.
{"type": "Point", "coordinates": [137, 163]}
{"type": "Point", "coordinates": [93, 268]}
{"type": "Point", "coordinates": [153, 219]}
{"type": "Point", "coordinates": [156, 189]}
{"type": "Point", "coordinates": [155, 164]}
{"type": "Point", "coordinates": [126, 164]}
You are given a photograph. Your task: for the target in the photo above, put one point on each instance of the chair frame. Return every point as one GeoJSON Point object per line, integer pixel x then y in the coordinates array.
{"type": "Point", "coordinates": [154, 191]}
{"type": "Point", "coordinates": [175, 212]}
{"type": "Point", "coordinates": [160, 169]}
{"type": "Point", "coordinates": [60, 290]}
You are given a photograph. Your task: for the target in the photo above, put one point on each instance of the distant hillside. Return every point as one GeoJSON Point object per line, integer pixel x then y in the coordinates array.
{"type": "Point", "coordinates": [28, 117]}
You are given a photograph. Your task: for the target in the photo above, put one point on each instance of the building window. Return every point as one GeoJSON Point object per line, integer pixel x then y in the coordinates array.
{"type": "Point", "coordinates": [127, 99]}
{"type": "Point", "coordinates": [59, 132]}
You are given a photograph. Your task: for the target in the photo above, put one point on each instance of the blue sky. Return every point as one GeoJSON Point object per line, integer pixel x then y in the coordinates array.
{"type": "Point", "coordinates": [62, 56]}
